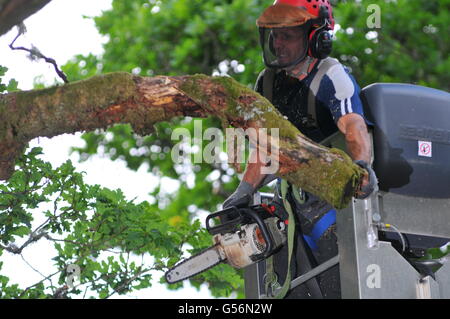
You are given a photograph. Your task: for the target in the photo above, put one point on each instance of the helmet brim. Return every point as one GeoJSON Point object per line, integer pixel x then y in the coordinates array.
{"type": "Point", "coordinates": [283, 15]}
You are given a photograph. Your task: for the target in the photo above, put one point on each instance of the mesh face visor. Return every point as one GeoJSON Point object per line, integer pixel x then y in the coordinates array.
{"type": "Point", "coordinates": [284, 47]}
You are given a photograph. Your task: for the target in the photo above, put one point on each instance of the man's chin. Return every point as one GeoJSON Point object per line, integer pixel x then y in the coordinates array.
{"type": "Point", "coordinates": [283, 61]}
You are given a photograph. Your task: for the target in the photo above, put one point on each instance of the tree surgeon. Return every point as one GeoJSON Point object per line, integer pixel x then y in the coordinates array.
{"type": "Point", "coordinates": [319, 96]}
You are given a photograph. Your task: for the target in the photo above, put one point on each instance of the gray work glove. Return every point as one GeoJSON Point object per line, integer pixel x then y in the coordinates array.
{"type": "Point", "coordinates": [366, 190]}
{"type": "Point", "coordinates": [241, 196]}
{"type": "Point", "coordinates": [269, 178]}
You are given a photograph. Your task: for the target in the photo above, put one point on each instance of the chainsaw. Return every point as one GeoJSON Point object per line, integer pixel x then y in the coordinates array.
{"type": "Point", "coordinates": [241, 237]}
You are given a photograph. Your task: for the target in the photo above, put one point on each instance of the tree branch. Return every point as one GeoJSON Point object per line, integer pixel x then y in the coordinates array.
{"type": "Point", "coordinates": [13, 12]}
{"type": "Point", "coordinates": [36, 54]}
{"type": "Point", "coordinates": [34, 237]}
{"type": "Point", "coordinates": [39, 282]}
{"type": "Point", "coordinates": [127, 282]}
{"type": "Point", "coordinates": [102, 101]}
{"type": "Point", "coordinates": [29, 265]}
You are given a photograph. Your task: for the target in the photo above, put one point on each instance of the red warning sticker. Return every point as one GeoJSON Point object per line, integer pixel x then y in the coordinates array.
{"type": "Point", "coordinates": [425, 149]}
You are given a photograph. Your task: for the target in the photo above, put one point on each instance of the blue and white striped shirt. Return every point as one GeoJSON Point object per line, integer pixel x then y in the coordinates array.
{"type": "Point", "coordinates": [339, 91]}
{"type": "Point", "coordinates": [338, 94]}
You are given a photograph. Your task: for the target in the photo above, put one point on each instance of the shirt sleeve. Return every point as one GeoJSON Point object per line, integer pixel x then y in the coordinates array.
{"type": "Point", "coordinates": [339, 91]}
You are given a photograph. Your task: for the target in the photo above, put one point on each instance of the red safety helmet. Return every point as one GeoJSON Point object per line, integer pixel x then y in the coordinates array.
{"type": "Point", "coordinates": [312, 6]}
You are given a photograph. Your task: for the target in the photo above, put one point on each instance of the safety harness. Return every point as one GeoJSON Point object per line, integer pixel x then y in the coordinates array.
{"type": "Point", "coordinates": [320, 228]}
{"type": "Point", "coordinates": [323, 67]}
{"type": "Point", "coordinates": [272, 287]}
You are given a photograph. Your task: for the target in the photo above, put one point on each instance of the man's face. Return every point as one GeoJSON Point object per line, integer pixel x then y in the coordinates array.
{"type": "Point", "coordinates": [288, 43]}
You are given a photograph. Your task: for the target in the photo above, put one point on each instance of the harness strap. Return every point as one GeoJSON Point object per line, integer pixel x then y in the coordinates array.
{"type": "Point", "coordinates": [273, 288]}
{"type": "Point", "coordinates": [269, 76]}
{"type": "Point", "coordinates": [323, 68]}
{"type": "Point", "coordinates": [320, 228]}
{"type": "Point", "coordinates": [270, 278]}
{"type": "Point", "coordinates": [290, 240]}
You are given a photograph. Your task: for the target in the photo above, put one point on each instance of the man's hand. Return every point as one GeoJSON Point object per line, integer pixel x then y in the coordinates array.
{"type": "Point", "coordinates": [252, 180]}
{"type": "Point", "coordinates": [241, 196]}
{"type": "Point", "coordinates": [369, 182]}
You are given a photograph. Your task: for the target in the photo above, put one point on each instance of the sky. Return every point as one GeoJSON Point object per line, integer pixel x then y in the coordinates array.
{"type": "Point", "coordinates": [59, 31]}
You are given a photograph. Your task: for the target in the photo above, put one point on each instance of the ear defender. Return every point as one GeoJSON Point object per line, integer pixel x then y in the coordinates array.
{"type": "Point", "coordinates": [320, 42]}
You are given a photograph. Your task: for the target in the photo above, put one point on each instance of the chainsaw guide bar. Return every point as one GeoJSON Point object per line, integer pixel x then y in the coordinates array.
{"type": "Point", "coordinates": [195, 264]}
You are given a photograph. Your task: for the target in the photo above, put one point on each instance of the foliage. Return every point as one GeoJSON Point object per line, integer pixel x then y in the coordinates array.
{"type": "Point", "coordinates": [12, 84]}
{"type": "Point", "coordinates": [409, 47]}
{"type": "Point", "coordinates": [109, 237]}
{"type": "Point", "coordinates": [175, 37]}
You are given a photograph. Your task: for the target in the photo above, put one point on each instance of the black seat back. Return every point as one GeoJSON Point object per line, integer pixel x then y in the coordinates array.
{"type": "Point", "coordinates": [411, 138]}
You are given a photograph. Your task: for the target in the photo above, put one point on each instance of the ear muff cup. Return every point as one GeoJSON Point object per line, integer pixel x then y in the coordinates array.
{"type": "Point", "coordinates": [320, 43]}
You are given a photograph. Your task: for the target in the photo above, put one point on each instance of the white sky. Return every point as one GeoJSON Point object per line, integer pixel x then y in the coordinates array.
{"type": "Point", "coordinates": [60, 32]}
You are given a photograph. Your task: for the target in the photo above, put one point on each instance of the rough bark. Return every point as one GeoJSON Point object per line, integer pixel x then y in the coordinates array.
{"type": "Point", "coordinates": [104, 100]}
{"type": "Point", "coordinates": [13, 12]}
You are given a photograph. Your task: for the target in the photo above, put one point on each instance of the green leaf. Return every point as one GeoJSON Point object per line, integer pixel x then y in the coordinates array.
{"type": "Point", "coordinates": [21, 231]}
{"type": "Point", "coordinates": [12, 86]}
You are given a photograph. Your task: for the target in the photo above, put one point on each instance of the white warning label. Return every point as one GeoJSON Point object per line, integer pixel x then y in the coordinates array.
{"type": "Point", "coordinates": [425, 149]}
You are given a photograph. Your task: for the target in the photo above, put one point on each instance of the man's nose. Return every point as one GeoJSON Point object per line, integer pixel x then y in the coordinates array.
{"type": "Point", "coordinates": [278, 42]}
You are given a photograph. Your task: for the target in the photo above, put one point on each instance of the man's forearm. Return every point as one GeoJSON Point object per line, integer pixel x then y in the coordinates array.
{"type": "Point", "coordinates": [253, 175]}
{"type": "Point", "coordinates": [357, 137]}
{"type": "Point", "coordinates": [358, 145]}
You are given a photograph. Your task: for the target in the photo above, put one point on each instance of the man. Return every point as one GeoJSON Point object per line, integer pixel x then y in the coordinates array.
{"type": "Point", "coordinates": [296, 41]}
